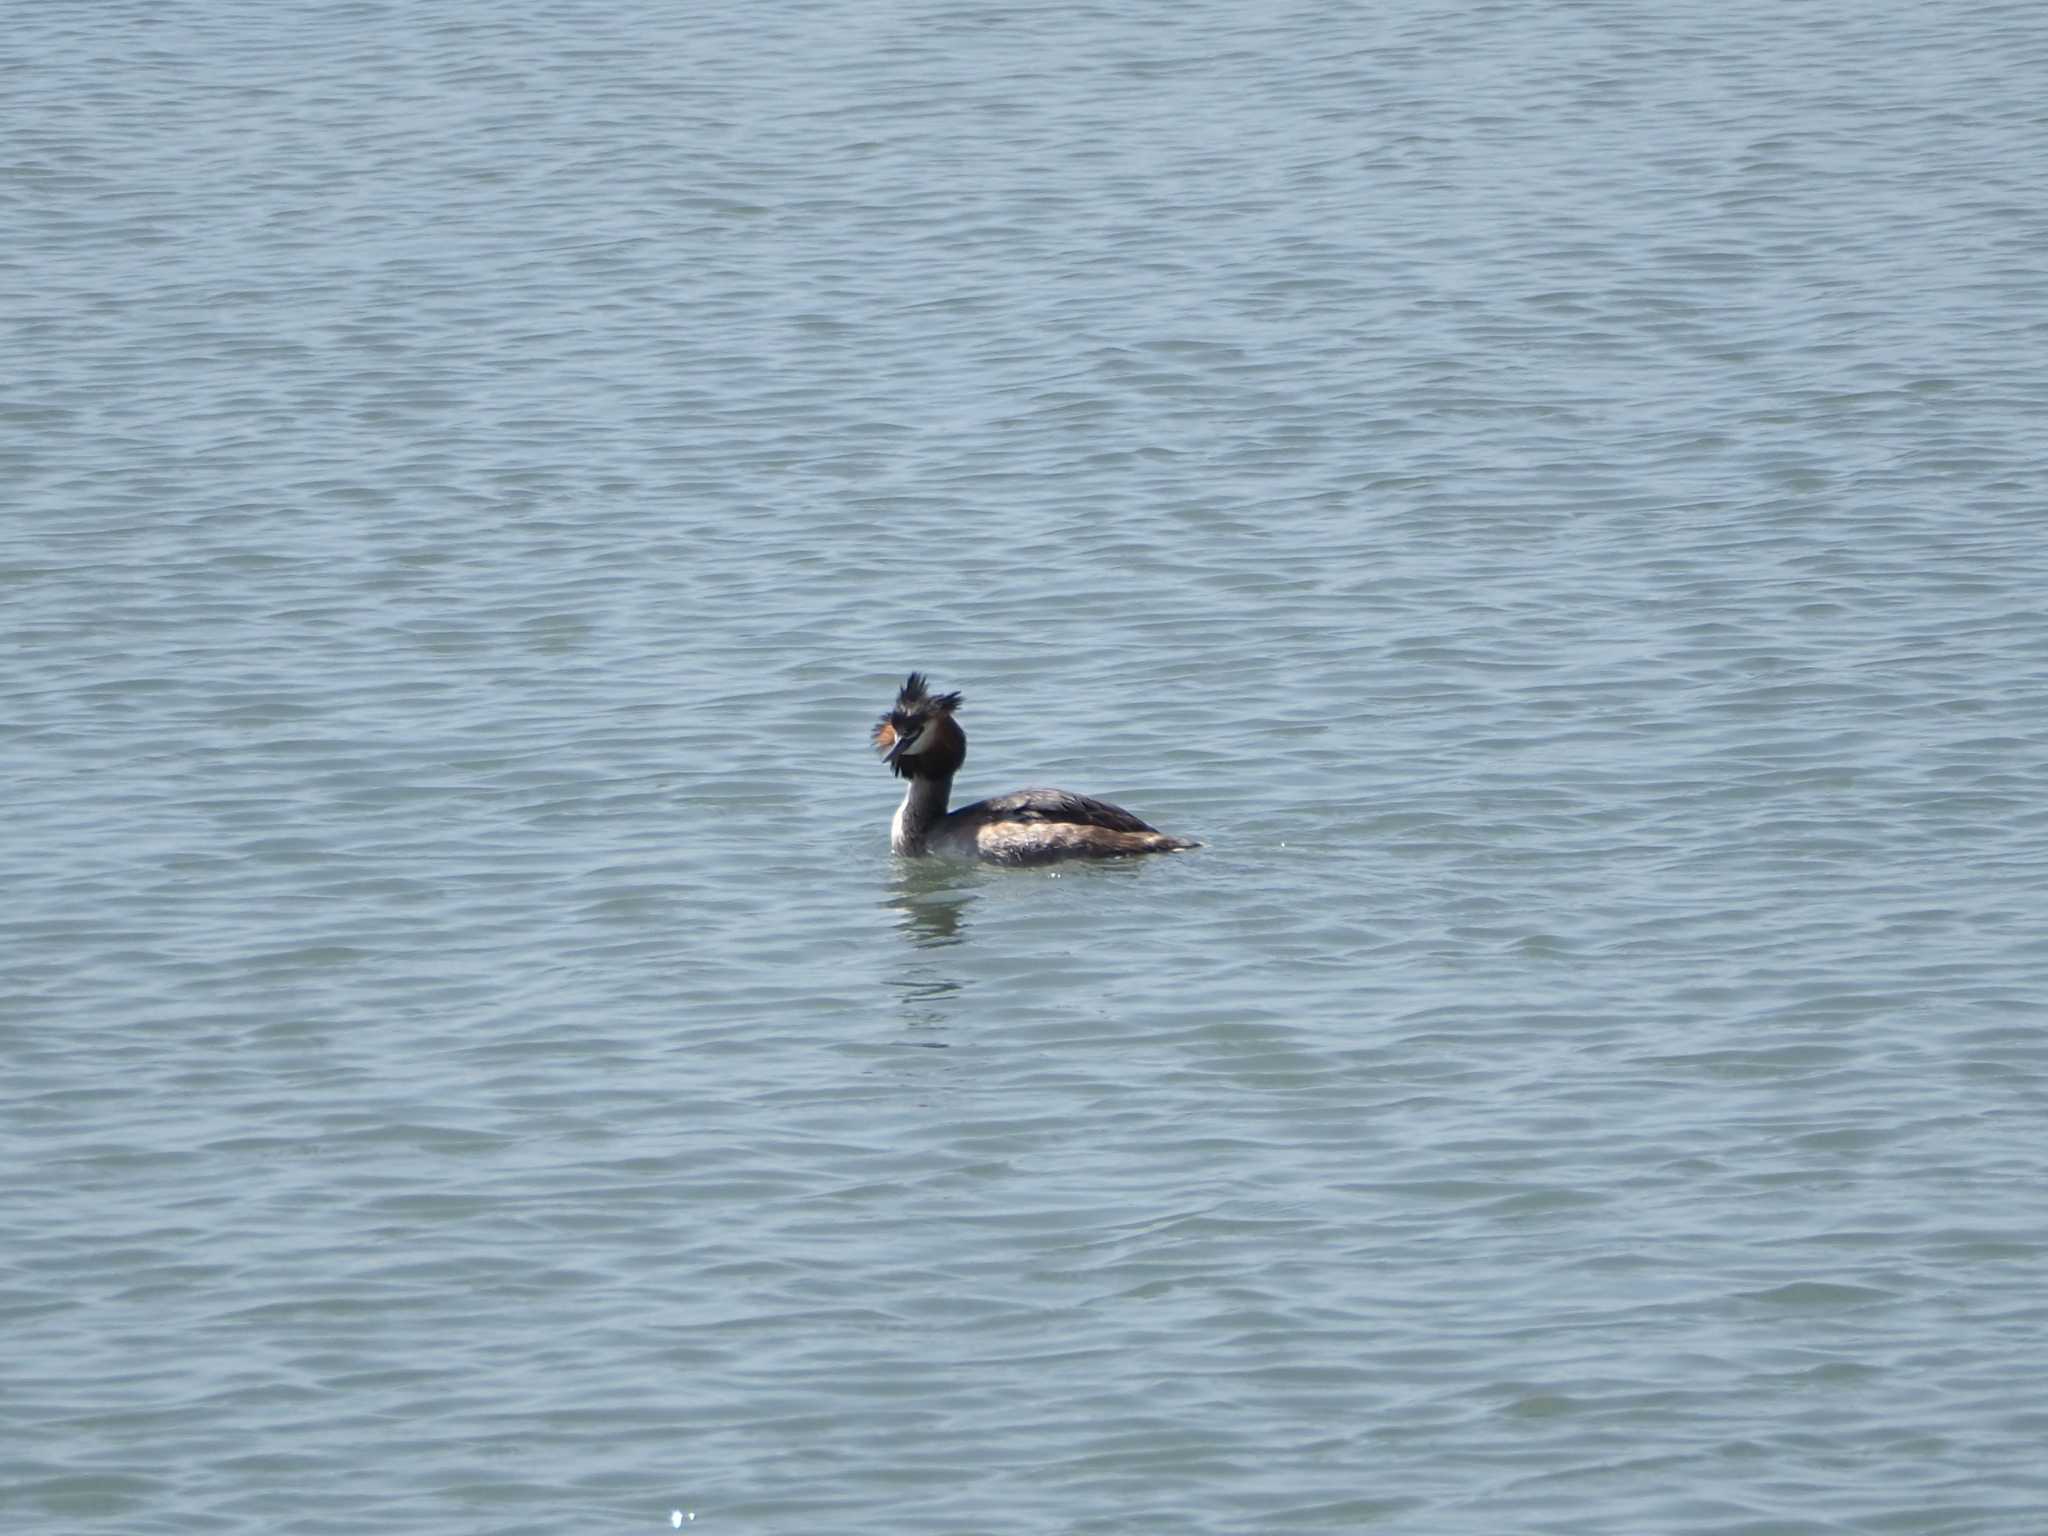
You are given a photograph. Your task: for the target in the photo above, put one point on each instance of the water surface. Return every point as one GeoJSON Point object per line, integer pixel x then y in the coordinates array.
{"type": "Point", "coordinates": [1553, 498]}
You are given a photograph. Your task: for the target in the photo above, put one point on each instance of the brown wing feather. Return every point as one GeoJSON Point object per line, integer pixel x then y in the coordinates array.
{"type": "Point", "coordinates": [1025, 842]}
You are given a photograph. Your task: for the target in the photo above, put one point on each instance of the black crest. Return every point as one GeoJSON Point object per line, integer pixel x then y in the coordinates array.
{"type": "Point", "coordinates": [916, 696]}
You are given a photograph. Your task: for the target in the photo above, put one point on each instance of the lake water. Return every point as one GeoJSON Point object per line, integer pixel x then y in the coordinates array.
{"type": "Point", "coordinates": [1555, 497]}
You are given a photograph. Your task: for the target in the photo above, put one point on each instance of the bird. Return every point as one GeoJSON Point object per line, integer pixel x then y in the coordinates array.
{"type": "Point", "coordinates": [922, 743]}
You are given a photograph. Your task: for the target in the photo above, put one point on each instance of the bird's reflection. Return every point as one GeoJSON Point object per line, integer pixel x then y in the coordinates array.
{"type": "Point", "coordinates": [928, 1004]}
{"type": "Point", "coordinates": [931, 901]}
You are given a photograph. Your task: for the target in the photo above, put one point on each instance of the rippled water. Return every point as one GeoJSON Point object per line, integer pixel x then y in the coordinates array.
{"type": "Point", "coordinates": [1552, 496]}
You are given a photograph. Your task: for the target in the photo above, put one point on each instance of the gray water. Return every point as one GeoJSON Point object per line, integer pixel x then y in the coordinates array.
{"type": "Point", "coordinates": [1552, 496]}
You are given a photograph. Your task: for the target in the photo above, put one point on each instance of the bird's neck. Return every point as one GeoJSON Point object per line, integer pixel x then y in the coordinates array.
{"type": "Point", "coordinates": [924, 802]}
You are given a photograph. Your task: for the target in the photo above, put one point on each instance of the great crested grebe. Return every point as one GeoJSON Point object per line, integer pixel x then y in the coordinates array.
{"type": "Point", "coordinates": [922, 742]}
